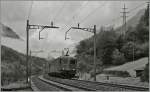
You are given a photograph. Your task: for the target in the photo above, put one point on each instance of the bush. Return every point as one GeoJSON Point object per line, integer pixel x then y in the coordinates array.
{"type": "Point", "coordinates": [118, 57]}
{"type": "Point", "coordinates": [128, 49]}
{"type": "Point", "coordinates": [145, 75]}
{"type": "Point", "coordinates": [144, 49]}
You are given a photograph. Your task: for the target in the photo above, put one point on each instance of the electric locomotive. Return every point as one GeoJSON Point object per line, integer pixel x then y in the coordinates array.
{"type": "Point", "coordinates": [63, 67]}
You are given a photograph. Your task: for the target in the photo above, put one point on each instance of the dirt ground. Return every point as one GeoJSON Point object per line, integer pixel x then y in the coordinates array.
{"type": "Point", "coordinates": [118, 80]}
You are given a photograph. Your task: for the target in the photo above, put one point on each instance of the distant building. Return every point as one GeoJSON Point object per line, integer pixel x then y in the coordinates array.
{"type": "Point", "coordinates": [139, 71]}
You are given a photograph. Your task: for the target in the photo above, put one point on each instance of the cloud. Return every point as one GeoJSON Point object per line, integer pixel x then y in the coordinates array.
{"type": "Point", "coordinates": [15, 13]}
{"type": "Point", "coordinates": [8, 32]}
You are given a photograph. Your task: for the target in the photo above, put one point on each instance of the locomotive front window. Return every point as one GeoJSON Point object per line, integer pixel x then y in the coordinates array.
{"type": "Point", "coordinates": [72, 61]}
{"type": "Point", "coordinates": [65, 61]}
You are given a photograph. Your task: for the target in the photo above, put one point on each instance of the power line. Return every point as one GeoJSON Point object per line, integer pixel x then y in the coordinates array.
{"type": "Point", "coordinates": [115, 19]}
{"type": "Point", "coordinates": [124, 19]}
{"type": "Point", "coordinates": [72, 19]}
{"type": "Point", "coordinates": [92, 13]}
{"type": "Point", "coordinates": [79, 12]}
{"type": "Point", "coordinates": [136, 7]}
{"type": "Point", "coordinates": [74, 16]}
{"type": "Point", "coordinates": [89, 13]}
{"type": "Point", "coordinates": [60, 10]}
{"type": "Point", "coordinates": [30, 10]}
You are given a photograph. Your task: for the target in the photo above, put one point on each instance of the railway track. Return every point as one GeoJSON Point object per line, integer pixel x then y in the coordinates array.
{"type": "Point", "coordinates": [119, 86]}
{"type": "Point", "coordinates": [93, 86]}
{"type": "Point", "coordinates": [43, 84]}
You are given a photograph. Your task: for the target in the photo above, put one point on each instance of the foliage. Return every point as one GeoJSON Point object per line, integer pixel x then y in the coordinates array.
{"type": "Point", "coordinates": [82, 67]}
{"type": "Point", "coordinates": [84, 63]}
{"type": "Point", "coordinates": [14, 65]}
{"type": "Point", "coordinates": [145, 75]}
{"type": "Point", "coordinates": [120, 42]}
{"type": "Point", "coordinates": [142, 29]}
{"type": "Point", "coordinates": [144, 49]}
{"type": "Point", "coordinates": [106, 44]}
{"type": "Point", "coordinates": [131, 35]}
{"type": "Point", "coordinates": [129, 50]}
{"type": "Point", "coordinates": [118, 57]}
{"type": "Point", "coordinates": [114, 48]}
{"type": "Point", "coordinates": [84, 45]}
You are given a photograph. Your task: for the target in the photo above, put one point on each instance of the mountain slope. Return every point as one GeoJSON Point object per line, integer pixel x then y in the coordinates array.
{"type": "Point", "coordinates": [113, 49]}
{"type": "Point", "coordinates": [135, 19]}
{"type": "Point", "coordinates": [132, 22]}
{"type": "Point", "coordinates": [13, 65]}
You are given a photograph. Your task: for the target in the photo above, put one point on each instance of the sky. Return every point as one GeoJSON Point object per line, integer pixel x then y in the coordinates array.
{"type": "Point", "coordinates": [64, 14]}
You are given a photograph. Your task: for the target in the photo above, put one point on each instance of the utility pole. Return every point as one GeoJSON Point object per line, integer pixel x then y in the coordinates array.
{"type": "Point", "coordinates": [27, 50]}
{"type": "Point", "coordinates": [27, 43]}
{"type": "Point", "coordinates": [92, 30]}
{"type": "Point", "coordinates": [94, 52]}
{"type": "Point", "coordinates": [30, 69]}
{"type": "Point", "coordinates": [149, 32]}
{"type": "Point", "coordinates": [133, 47]}
{"type": "Point", "coordinates": [124, 19]}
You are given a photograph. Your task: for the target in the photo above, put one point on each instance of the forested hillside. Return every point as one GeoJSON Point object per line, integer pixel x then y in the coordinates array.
{"type": "Point", "coordinates": [13, 65]}
{"type": "Point", "coordinates": [114, 48]}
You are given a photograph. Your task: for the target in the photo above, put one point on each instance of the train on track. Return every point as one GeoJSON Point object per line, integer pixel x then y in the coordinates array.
{"type": "Point", "coordinates": [63, 67]}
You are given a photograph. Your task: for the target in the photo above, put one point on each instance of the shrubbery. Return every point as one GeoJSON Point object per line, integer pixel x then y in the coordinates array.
{"type": "Point", "coordinates": [118, 57]}
{"type": "Point", "coordinates": [145, 75]}
{"type": "Point", "coordinates": [114, 48]}
{"type": "Point", "coordinates": [14, 65]}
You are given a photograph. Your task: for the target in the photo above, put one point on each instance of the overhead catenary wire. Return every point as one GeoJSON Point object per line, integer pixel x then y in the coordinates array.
{"type": "Point", "coordinates": [80, 9]}
{"type": "Point", "coordinates": [72, 19]}
{"type": "Point", "coordinates": [84, 19]}
{"type": "Point", "coordinates": [115, 19]}
{"type": "Point", "coordinates": [59, 11]}
{"type": "Point", "coordinates": [74, 16]}
{"type": "Point", "coordinates": [135, 8]}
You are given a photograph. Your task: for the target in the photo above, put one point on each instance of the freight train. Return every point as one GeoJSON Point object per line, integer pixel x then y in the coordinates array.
{"type": "Point", "coordinates": [63, 67]}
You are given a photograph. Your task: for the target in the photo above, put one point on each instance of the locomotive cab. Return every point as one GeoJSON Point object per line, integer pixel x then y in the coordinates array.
{"type": "Point", "coordinates": [68, 66]}
{"type": "Point", "coordinates": [64, 67]}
